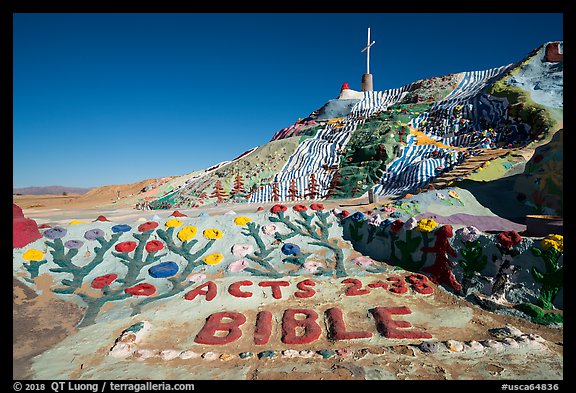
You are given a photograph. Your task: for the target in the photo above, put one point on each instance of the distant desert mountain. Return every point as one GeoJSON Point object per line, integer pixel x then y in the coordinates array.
{"type": "Point", "coordinates": [50, 190]}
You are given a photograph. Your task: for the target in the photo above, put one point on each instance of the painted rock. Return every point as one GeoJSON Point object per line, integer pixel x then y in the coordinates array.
{"type": "Point", "coordinates": [307, 354]}
{"type": "Point", "coordinates": [178, 214]}
{"type": "Point", "coordinates": [508, 331]}
{"type": "Point", "coordinates": [290, 353]}
{"type": "Point", "coordinates": [475, 346]}
{"type": "Point", "coordinates": [510, 342]}
{"type": "Point", "coordinates": [492, 344]}
{"type": "Point", "coordinates": [24, 230]}
{"type": "Point", "coordinates": [266, 354]}
{"type": "Point", "coordinates": [454, 346]}
{"type": "Point", "coordinates": [210, 356]}
{"type": "Point", "coordinates": [143, 354]}
{"type": "Point", "coordinates": [326, 353]}
{"type": "Point", "coordinates": [246, 355]}
{"type": "Point", "coordinates": [169, 354]}
{"type": "Point", "coordinates": [163, 270]}
{"type": "Point", "coordinates": [432, 346]}
{"type": "Point", "coordinates": [226, 357]}
{"type": "Point", "coordinates": [189, 355]}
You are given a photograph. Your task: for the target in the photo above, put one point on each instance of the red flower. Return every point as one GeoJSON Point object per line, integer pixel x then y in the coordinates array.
{"type": "Point", "coordinates": [509, 239]}
{"type": "Point", "coordinates": [300, 208]}
{"type": "Point", "coordinates": [147, 226]}
{"type": "Point", "coordinates": [125, 246]}
{"type": "Point", "coordinates": [104, 281]}
{"type": "Point", "coordinates": [141, 290]}
{"type": "Point", "coordinates": [317, 206]}
{"type": "Point", "coordinates": [396, 226]}
{"type": "Point", "coordinates": [278, 208]}
{"type": "Point", "coordinates": [154, 245]}
{"type": "Point", "coordinates": [344, 214]}
{"type": "Point", "coordinates": [260, 208]}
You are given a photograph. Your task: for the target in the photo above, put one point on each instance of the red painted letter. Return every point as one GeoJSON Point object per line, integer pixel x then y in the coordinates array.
{"type": "Point", "coordinates": [234, 289]}
{"type": "Point", "coordinates": [276, 292]}
{"type": "Point", "coordinates": [263, 328]}
{"type": "Point", "coordinates": [207, 335]}
{"type": "Point", "coordinates": [356, 288]}
{"type": "Point", "coordinates": [303, 286]}
{"type": "Point", "coordinates": [337, 327]}
{"type": "Point", "coordinates": [210, 293]}
{"type": "Point", "coordinates": [390, 328]}
{"type": "Point", "coordinates": [289, 324]}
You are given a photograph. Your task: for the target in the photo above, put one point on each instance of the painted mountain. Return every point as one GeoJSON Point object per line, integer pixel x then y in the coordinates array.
{"type": "Point", "coordinates": [401, 140]}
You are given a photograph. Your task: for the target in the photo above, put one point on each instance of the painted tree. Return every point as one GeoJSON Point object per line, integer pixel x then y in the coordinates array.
{"type": "Point", "coordinates": [335, 185]}
{"type": "Point", "coordinates": [312, 189]}
{"type": "Point", "coordinates": [293, 193]}
{"type": "Point", "coordinates": [238, 188]}
{"type": "Point", "coordinates": [275, 192]}
{"type": "Point", "coordinates": [357, 189]}
{"type": "Point", "coordinates": [219, 192]}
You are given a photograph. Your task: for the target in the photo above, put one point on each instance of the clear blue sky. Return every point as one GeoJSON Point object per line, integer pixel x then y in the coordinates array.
{"type": "Point", "coordinates": [117, 98]}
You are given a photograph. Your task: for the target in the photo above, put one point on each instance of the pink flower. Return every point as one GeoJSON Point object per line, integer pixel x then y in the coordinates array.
{"type": "Point", "coordinates": [270, 229]}
{"type": "Point", "coordinates": [241, 250]}
{"type": "Point", "coordinates": [196, 277]}
{"type": "Point", "coordinates": [312, 266]}
{"type": "Point", "coordinates": [389, 209]}
{"type": "Point", "coordinates": [363, 261]}
{"type": "Point", "coordinates": [238, 266]}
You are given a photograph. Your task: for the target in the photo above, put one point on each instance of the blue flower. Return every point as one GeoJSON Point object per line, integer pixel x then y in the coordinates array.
{"type": "Point", "coordinates": [121, 228]}
{"type": "Point", "coordinates": [290, 249]}
{"type": "Point", "coordinates": [74, 244]}
{"type": "Point", "coordinates": [55, 233]}
{"type": "Point", "coordinates": [93, 234]}
{"type": "Point", "coordinates": [358, 216]}
{"type": "Point", "coordinates": [396, 215]}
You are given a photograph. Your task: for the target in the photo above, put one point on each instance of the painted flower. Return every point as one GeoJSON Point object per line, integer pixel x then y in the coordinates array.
{"type": "Point", "coordinates": [141, 290]}
{"type": "Point", "coordinates": [396, 226]}
{"type": "Point", "coordinates": [358, 216]}
{"type": "Point", "coordinates": [55, 233]}
{"type": "Point", "coordinates": [147, 226]}
{"type": "Point", "coordinates": [154, 245]}
{"type": "Point", "coordinates": [509, 239]}
{"type": "Point", "coordinates": [395, 215]}
{"type": "Point", "coordinates": [290, 249]}
{"type": "Point", "coordinates": [74, 244]}
{"type": "Point", "coordinates": [426, 225]}
{"type": "Point", "coordinates": [187, 233]}
{"type": "Point", "coordinates": [317, 206]}
{"type": "Point", "coordinates": [469, 233]}
{"type": "Point", "coordinates": [344, 213]}
{"type": "Point", "coordinates": [386, 223]}
{"type": "Point", "coordinates": [554, 241]}
{"type": "Point", "coordinates": [103, 281]}
{"type": "Point", "coordinates": [196, 277]}
{"type": "Point", "coordinates": [173, 223]}
{"type": "Point", "coordinates": [125, 246]}
{"type": "Point", "coordinates": [241, 250]}
{"type": "Point", "coordinates": [121, 228]}
{"type": "Point", "coordinates": [212, 233]}
{"type": "Point", "coordinates": [312, 266]}
{"type": "Point", "coordinates": [440, 195]}
{"type": "Point", "coordinates": [241, 220]}
{"type": "Point", "coordinates": [238, 265]}
{"type": "Point", "coordinates": [93, 234]}
{"type": "Point", "coordinates": [300, 208]}
{"type": "Point", "coordinates": [213, 259]}
{"type": "Point", "coordinates": [453, 194]}
{"type": "Point", "coordinates": [269, 229]}
{"type": "Point", "coordinates": [33, 255]}
{"type": "Point", "coordinates": [389, 208]}
{"type": "Point", "coordinates": [278, 208]}
{"type": "Point", "coordinates": [363, 261]}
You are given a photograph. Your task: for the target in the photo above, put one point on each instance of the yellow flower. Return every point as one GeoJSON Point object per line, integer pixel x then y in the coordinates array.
{"type": "Point", "coordinates": [212, 233]}
{"type": "Point", "coordinates": [555, 241]}
{"type": "Point", "coordinates": [213, 259]}
{"type": "Point", "coordinates": [453, 194]}
{"type": "Point", "coordinates": [240, 221]}
{"type": "Point", "coordinates": [173, 223]}
{"type": "Point", "coordinates": [33, 255]}
{"type": "Point", "coordinates": [426, 225]}
{"type": "Point", "coordinates": [76, 222]}
{"type": "Point", "coordinates": [187, 233]}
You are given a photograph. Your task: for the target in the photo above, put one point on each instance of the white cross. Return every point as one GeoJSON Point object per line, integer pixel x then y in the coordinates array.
{"type": "Point", "coordinates": [367, 49]}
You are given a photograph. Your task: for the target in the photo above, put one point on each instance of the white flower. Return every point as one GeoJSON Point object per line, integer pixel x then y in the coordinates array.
{"type": "Point", "coordinates": [238, 265]}
{"type": "Point", "coordinates": [270, 229]}
{"type": "Point", "coordinates": [312, 266]}
{"type": "Point", "coordinates": [241, 250]}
